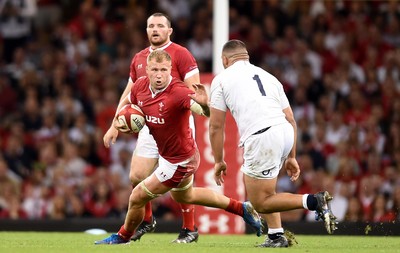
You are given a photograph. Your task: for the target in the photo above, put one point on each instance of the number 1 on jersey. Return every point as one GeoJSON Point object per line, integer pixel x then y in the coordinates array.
{"type": "Point", "coordinates": [260, 86]}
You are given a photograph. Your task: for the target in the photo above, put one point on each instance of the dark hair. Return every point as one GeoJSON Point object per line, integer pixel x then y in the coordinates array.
{"type": "Point", "coordinates": [233, 44]}
{"type": "Point", "coordinates": [160, 14]}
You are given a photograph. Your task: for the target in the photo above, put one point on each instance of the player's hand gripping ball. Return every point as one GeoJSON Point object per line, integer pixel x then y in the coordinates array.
{"type": "Point", "coordinates": [131, 119]}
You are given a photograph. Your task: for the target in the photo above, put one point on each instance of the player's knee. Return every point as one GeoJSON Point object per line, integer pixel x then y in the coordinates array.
{"type": "Point", "coordinates": [262, 205]}
{"type": "Point", "coordinates": [140, 196]}
{"type": "Point", "coordinates": [259, 207]}
{"type": "Point", "coordinates": [135, 200]}
{"type": "Point", "coordinates": [136, 177]}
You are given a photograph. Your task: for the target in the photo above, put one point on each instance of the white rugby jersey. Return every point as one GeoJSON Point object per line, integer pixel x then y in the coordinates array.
{"type": "Point", "coordinates": [254, 97]}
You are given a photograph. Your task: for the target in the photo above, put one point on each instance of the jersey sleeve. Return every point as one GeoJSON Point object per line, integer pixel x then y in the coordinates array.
{"type": "Point", "coordinates": [132, 97]}
{"type": "Point", "coordinates": [132, 70]}
{"type": "Point", "coordinates": [132, 94]}
{"type": "Point", "coordinates": [181, 94]}
{"type": "Point", "coordinates": [282, 97]}
{"type": "Point", "coordinates": [217, 100]}
{"type": "Point", "coordinates": [186, 63]}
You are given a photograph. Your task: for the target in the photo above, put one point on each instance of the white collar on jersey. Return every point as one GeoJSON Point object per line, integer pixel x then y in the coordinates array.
{"type": "Point", "coordinates": [241, 61]}
{"type": "Point", "coordinates": [163, 47]}
{"type": "Point", "coordinates": [153, 94]}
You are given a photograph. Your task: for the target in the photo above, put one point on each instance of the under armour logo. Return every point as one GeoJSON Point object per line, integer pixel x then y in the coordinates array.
{"type": "Point", "coordinates": [162, 174]}
{"type": "Point", "coordinates": [139, 66]}
{"type": "Point", "coordinates": [221, 223]}
{"type": "Point", "coordinates": [140, 103]}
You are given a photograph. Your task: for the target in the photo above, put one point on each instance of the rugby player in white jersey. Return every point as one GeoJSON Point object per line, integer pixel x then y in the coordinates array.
{"type": "Point", "coordinates": [268, 132]}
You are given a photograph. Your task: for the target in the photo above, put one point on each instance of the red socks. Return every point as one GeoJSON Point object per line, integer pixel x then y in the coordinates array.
{"type": "Point", "coordinates": [148, 212]}
{"type": "Point", "coordinates": [187, 216]}
{"type": "Point", "coordinates": [125, 234]}
{"type": "Point", "coordinates": [235, 207]}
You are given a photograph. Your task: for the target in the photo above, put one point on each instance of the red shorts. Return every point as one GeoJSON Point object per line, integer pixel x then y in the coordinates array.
{"type": "Point", "coordinates": [172, 175]}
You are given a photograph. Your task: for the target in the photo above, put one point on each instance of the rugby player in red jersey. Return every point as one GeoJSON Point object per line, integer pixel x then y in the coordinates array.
{"type": "Point", "coordinates": [167, 104]}
{"type": "Point", "coordinates": [145, 157]}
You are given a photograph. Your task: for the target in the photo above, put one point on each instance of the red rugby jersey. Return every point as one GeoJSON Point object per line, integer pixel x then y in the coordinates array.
{"type": "Point", "coordinates": [182, 61]}
{"type": "Point", "coordinates": [167, 117]}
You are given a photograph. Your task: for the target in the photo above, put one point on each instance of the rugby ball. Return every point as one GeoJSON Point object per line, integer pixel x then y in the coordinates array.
{"type": "Point", "coordinates": [132, 117]}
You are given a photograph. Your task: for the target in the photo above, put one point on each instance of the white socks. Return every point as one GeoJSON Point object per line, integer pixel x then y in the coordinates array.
{"type": "Point", "coordinates": [275, 230]}
{"type": "Point", "coordinates": [305, 196]}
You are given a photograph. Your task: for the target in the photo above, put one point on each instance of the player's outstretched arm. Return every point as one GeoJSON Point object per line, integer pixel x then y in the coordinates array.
{"type": "Point", "coordinates": [189, 81]}
{"type": "Point", "coordinates": [201, 98]}
{"type": "Point", "coordinates": [112, 133]}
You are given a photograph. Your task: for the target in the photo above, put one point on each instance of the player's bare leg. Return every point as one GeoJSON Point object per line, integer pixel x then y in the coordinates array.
{"type": "Point", "coordinates": [259, 193]}
{"type": "Point", "coordinates": [141, 168]}
{"type": "Point", "coordinates": [207, 197]}
{"type": "Point", "coordinates": [275, 237]}
{"type": "Point", "coordinates": [188, 233]}
{"type": "Point", "coordinates": [144, 192]}
{"type": "Point", "coordinates": [140, 196]}
{"type": "Point", "coordinates": [152, 188]}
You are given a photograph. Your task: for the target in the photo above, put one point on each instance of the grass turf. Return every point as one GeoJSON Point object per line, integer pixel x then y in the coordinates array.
{"type": "Point", "coordinates": [60, 242]}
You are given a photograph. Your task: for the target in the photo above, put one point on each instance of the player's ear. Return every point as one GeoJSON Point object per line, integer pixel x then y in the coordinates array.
{"type": "Point", "coordinates": [225, 61]}
{"type": "Point", "coordinates": [170, 30]}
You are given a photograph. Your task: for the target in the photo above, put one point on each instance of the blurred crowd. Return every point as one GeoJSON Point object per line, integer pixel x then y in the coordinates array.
{"type": "Point", "coordinates": [64, 64]}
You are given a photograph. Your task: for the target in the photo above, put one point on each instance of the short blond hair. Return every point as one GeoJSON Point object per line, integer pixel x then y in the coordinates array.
{"type": "Point", "coordinates": [159, 55]}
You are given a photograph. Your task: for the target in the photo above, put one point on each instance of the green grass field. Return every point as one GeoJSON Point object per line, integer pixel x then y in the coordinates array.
{"type": "Point", "coordinates": [57, 242]}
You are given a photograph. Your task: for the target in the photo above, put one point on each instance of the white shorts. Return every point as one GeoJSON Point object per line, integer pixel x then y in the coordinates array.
{"type": "Point", "coordinates": [172, 175]}
{"type": "Point", "coordinates": [146, 146]}
{"type": "Point", "coordinates": [265, 153]}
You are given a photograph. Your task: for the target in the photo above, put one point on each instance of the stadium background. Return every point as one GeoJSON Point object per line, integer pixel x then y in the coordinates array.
{"type": "Point", "coordinates": [64, 64]}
